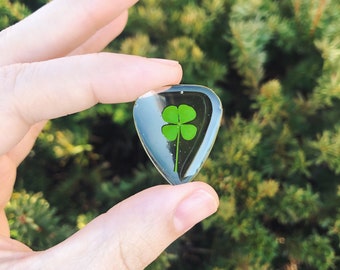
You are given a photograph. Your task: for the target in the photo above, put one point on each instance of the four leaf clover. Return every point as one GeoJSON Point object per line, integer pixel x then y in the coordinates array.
{"type": "Point", "coordinates": [178, 119]}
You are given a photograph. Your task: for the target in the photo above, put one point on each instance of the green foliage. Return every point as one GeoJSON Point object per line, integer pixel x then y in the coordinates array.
{"type": "Point", "coordinates": [11, 12]}
{"type": "Point", "coordinates": [327, 146]}
{"type": "Point", "coordinates": [34, 222]}
{"type": "Point", "coordinates": [275, 165]}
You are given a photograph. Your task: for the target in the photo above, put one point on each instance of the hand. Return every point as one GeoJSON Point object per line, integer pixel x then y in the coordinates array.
{"type": "Point", "coordinates": [49, 68]}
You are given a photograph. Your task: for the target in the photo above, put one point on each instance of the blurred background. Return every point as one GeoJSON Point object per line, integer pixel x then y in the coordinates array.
{"type": "Point", "coordinates": [276, 162]}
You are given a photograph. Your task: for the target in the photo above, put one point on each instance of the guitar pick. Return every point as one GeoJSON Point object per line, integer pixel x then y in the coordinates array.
{"type": "Point", "coordinates": [177, 128]}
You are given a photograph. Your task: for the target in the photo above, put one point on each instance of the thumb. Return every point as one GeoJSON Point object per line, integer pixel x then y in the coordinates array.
{"type": "Point", "coordinates": [133, 233]}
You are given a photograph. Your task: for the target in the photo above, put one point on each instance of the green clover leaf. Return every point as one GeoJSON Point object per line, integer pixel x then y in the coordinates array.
{"type": "Point", "coordinates": [188, 132]}
{"type": "Point", "coordinates": [177, 119]}
{"type": "Point", "coordinates": [170, 114]}
{"type": "Point", "coordinates": [170, 132]}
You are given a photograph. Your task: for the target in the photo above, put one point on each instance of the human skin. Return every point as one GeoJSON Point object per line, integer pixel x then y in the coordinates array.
{"type": "Point", "coordinates": [50, 67]}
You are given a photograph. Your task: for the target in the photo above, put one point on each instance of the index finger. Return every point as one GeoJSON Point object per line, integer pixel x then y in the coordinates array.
{"type": "Point", "coordinates": [46, 90]}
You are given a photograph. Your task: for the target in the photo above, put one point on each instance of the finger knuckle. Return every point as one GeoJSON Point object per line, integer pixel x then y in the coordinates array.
{"type": "Point", "coordinates": [133, 253]}
{"type": "Point", "coordinates": [13, 84]}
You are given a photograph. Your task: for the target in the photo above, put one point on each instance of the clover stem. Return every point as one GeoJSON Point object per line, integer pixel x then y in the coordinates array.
{"type": "Point", "coordinates": [177, 150]}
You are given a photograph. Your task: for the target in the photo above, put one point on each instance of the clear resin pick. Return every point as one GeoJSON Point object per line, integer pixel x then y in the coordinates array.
{"type": "Point", "coordinates": [177, 128]}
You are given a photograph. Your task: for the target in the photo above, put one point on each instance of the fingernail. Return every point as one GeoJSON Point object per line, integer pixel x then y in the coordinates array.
{"type": "Point", "coordinates": [194, 209]}
{"type": "Point", "coordinates": [165, 61]}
